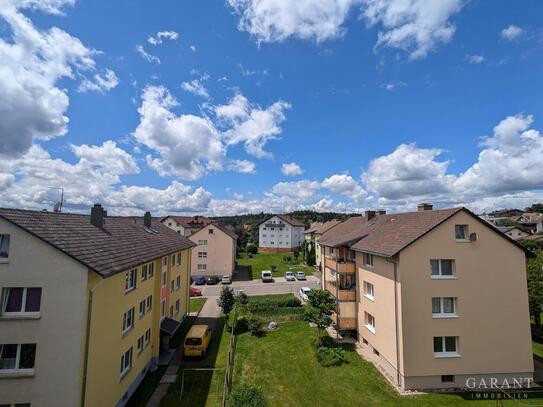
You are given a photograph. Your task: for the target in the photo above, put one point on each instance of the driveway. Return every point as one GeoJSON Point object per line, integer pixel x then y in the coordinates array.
{"type": "Point", "coordinates": [257, 287]}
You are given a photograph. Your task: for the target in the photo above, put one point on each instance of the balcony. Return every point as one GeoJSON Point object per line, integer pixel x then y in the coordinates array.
{"type": "Point", "coordinates": [274, 225]}
{"type": "Point", "coordinates": [344, 323]}
{"type": "Point", "coordinates": [340, 265]}
{"type": "Point", "coordinates": [341, 295]}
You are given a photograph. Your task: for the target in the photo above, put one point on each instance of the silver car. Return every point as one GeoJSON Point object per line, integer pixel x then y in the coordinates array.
{"type": "Point", "coordinates": [300, 275]}
{"type": "Point", "coordinates": [226, 280]}
{"type": "Point", "coordinates": [289, 276]}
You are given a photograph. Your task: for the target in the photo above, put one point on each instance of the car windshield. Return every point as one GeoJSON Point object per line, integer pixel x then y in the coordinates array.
{"type": "Point", "coordinates": [306, 291]}
{"type": "Point", "coordinates": [193, 341]}
{"type": "Point", "coordinates": [300, 273]}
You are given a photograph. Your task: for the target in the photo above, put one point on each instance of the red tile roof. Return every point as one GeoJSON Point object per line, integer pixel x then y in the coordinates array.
{"type": "Point", "coordinates": [287, 218]}
{"type": "Point", "coordinates": [320, 227]}
{"type": "Point", "coordinates": [191, 222]}
{"type": "Point", "coordinates": [123, 242]}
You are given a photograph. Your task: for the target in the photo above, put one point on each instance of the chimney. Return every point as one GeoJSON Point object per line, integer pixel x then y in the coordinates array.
{"type": "Point", "coordinates": [381, 212]}
{"type": "Point", "coordinates": [147, 219]}
{"type": "Point", "coordinates": [97, 216]}
{"type": "Point", "coordinates": [370, 215]}
{"type": "Point", "coordinates": [425, 207]}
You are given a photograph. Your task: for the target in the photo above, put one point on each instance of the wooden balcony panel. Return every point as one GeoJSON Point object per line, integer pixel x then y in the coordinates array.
{"type": "Point", "coordinates": [347, 295]}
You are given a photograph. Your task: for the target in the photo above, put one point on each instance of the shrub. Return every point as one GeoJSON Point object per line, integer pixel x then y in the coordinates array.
{"type": "Point", "coordinates": [246, 395]}
{"type": "Point", "coordinates": [253, 324]}
{"type": "Point", "coordinates": [252, 248]}
{"type": "Point", "coordinates": [242, 298]}
{"type": "Point", "coordinates": [273, 268]}
{"type": "Point", "coordinates": [264, 306]}
{"type": "Point", "coordinates": [330, 356]}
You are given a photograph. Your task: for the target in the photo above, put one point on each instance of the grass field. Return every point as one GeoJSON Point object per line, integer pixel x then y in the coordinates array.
{"type": "Point", "coordinates": [264, 261]}
{"type": "Point", "coordinates": [537, 349]}
{"type": "Point", "coordinates": [196, 304]}
{"type": "Point", "coordinates": [284, 364]}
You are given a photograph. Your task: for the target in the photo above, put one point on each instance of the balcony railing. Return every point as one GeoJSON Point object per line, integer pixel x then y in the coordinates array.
{"type": "Point", "coordinates": [274, 225]}
{"type": "Point", "coordinates": [344, 323]}
{"type": "Point", "coordinates": [340, 265]}
{"type": "Point", "coordinates": [342, 295]}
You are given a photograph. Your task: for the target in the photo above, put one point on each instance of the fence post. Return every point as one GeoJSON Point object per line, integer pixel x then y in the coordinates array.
{"type": "Point", "coordinates": [229, 371]}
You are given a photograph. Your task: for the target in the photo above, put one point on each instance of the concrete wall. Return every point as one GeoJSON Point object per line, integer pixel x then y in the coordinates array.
{"type": "Point", "coordinates": [493, 320]}
{"type": "Point", "coordinates": [220, 249]}
{"type": "Point", "coordinates": [60, 328]}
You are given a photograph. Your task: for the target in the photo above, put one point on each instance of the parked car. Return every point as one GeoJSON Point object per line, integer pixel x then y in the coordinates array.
{"type": "Point", "coordinates": [300, 275]}
{"type": "Point", "coordinates": [195, 292]}
{"type": "Point", "coordinates": [226, 280]}
{"type": "Point", "coordinates": [197, 340]}
{"type": "Point", "coordinates": [289, 276]}
{"type": "Point", "coordinates": [212, 280]}
{"type": "Point", "coordinates": [200, 280]}
{"type": "Point", "coordinates": [304, 293]}
{"type": "Point", "coordinates": [267, 276]}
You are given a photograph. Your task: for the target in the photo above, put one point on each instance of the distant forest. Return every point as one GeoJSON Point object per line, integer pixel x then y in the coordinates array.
{"type": "Point", "coordinates": [246, 226]}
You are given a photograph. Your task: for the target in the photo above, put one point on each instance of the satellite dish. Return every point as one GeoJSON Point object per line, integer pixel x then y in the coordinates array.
{"type": "Point", "coordinates": [473, 237]}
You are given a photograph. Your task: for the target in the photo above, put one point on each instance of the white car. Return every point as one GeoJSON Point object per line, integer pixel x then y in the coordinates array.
{"type": "Point", "coordinates": [226, 280]}
{"type": "Point", "coordinates": [304, 293]}
{"type": "Point", "coordinates": [300, 275]}
{"type": "Point", "coordinates": [289, 276]}
{"type": "Point", "coordinates": [266, 276]}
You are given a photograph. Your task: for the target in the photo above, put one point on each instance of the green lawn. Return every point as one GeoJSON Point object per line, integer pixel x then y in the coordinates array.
{"type": "Point", "coordinates": [196, 304]}
{"type": "Point", "coordinates": [264, 261]}
{"type": "Point", "coordinates": [283, 363]}
{"type": "Point", "coordinates": [538, 349]}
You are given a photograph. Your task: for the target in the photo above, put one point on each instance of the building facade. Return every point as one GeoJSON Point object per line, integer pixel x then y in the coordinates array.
{"type": "Point", "coordinates": [428, 293]}
{"type": "Point", "coordinates": [215, 253]}
{"type": "Point", "coordinates": [280, 233]}
{"type": "Point", "coordinates": [81, 320]}
{"type": "Point", "coordinates": [313, 235]}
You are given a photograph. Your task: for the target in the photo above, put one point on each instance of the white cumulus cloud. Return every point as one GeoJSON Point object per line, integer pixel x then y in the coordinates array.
{"type": "Point", "coordinates": [511, 33]}
{"type": "Point", "coordinates": [100, 83]}
{"type": "Point", "coordinates": [344, 184]}
{"type": "Point", "coordinates": [196, 88]}
{"type": "Point", "coordinates": [475, 59]}
{"type": "Point", "coordinates": [145, 55]}
{"type": "Point", "coordinates": [243, 166]}
{"type": "Point", "coordinates": [291, 169]}
{"type": "Point", "coordinates": [159, 37]}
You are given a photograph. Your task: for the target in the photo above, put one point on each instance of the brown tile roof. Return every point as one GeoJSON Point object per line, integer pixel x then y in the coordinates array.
{"type": "Point", "coordinates": [122, 244]}
{"type": "Point", "coordinates": [189, 221]}
{"type": "Point", "coordinates": [289, 219]}
{"type": "Point", "coordinates": [223, 228]}
{"type": "Point", "coordinates": [387, 235]}
{"type": "Point", "coordinates": [320, 227]}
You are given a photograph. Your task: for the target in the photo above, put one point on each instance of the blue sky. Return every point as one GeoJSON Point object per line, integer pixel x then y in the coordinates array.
{"type": "Point", "coordinates": [246, 105]}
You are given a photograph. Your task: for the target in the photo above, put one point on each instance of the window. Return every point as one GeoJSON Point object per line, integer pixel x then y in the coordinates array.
{"type": "Point", "coordinates": [202, 255]}
{"type": "Point", "coordinates": [17, 356]}
{"type": "Point", "coordinates": [202, 267]}
{"type": "Point", "coordinates": [140, 344]}
{"type": "Point", "coordinates": [126, 362]}
{"type": "Point", "coordinates": [147, 271]}
{"type": "Point", "coordinates": [4, 248]}
{"type": "Point", "coordinates": [128, 320]}
{"type": "Point", "coordinates": [148, 337]}
{"type": "Point", "coordinates": [163, 308]}
{"type": "Point", "coordinates": [19, 300]}
{"type": "Point", "coordinates": [177, 305]}
{"type": "Point", "coordinates": [369, 322]}
{"type": "Point", "coordinates": [164, 278]}
{"type": "Point", "coordinates": [202, 242]}
{"type": "Point", "coordinates": [443, 307]}
{"type": "Point", "coordinates": [442, 268]}
{"type": "Point", "coordinates": [142, 308]}
{"type": "Point", "coordinates": [368, 259]}
{"type": "Point", "coordinates": [178, 260]}
{"type": "Point", "coordinates": [461, 232]}
{"type": "Point", "coordinates": [172, 285]}
{"type": "Point", "coordinates": [130, 280]}
{"type": "Point", "coordinates": [149, 303]}
{"type": "Point", "coordinates": [210, 231]}
{"type": "Point", "coordinates": [171, 311]}
{"type": "Point", "coordinates": [447, 378]}
{"type": "Point", "coordinates": [169, 223]}
{"type": "Point", "coordinates": [165, 261]}
{"type": "Point", "coordinates": [445, 346]}
{"type": "Point", "coordinates": [369, 290]}
{"type": "Point", "coordinates": [178, 283]}
{"type": "Point", "coordinates": [16, 405]}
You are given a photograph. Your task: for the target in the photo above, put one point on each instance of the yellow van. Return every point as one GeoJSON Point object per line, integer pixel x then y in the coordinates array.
{"type": "Point", "coordinates": [197, 340]}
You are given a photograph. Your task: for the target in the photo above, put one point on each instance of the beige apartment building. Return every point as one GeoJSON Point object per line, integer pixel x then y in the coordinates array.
{"type": "Point", "coordinates": [215, 253]}
{"type": "Point", "coordinates": [435, 297]}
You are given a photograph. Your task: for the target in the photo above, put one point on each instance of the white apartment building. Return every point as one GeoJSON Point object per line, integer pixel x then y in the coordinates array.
{"type": "Point", "coordinates": [280, 233]}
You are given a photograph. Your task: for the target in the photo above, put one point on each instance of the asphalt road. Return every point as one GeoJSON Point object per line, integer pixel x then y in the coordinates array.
{"type": "Point", "coordinates": [257, 287]}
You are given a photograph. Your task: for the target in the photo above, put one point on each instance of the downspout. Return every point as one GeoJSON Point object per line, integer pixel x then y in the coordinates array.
{"type": "Point", "coordinates": [87, 342]}
{"type": "Point", "coordinates": [395, 263]}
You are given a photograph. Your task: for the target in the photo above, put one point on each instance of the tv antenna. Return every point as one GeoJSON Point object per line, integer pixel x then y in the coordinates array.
{"type": "Point", "coordinates": [58, 205]}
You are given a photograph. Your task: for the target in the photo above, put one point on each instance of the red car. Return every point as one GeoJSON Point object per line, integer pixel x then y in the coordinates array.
{"type": "Point", "coordinates": [195, 292]}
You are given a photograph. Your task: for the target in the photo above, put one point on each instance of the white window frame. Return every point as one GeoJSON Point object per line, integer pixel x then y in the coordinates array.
{"type": "Point", "coordinates": [368, 259]}
{"type": "Point", "coordinates": [130, 280]}
{"type": "Point", "coordinates": [445, 354]}
{"type": "Point", "coordinates": [163, 308]}
{"type": "Point", "coordinates": [149, 303]}
{"type": "Point", "coordinates": [442, 276]}
{"type": "Point", "coordinates": [172, 286]}
{"type": "Point", "coordinates": [126, 367]}
{"type": "Point", "coordinates": [148, 337]}
{"type": "Point", "coordinates": [466, 233]}
{"type": "Point", "coordinates": [177, 306]}
{"type": "Point", "coordinates": [128, 317]}
{"type": "Point", "coordinates": [369, 290]}
{"type": "Point", "coordinates": [202, 242]}
{"type": "Point", "coordinates": [171, 311]}
{"type": "Point", "coordinates": [442, 313]}
{"type": "Point", "coordinates": [18, 369]}
{"type": "Point", "coordinates": [8, 238]}
{"type": "Point", "coordinates": [202, 267]}
{"type": "Point", "coordinates": [23, 313]}
{"type": "Point", "coordinates": [202, 255]}
{"type": "Point", "coordinates": [164, 277]}
{"type": "Point", "coordinates": [369, 322]}
{"type": "Point", "coordinates": [177, 283]}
